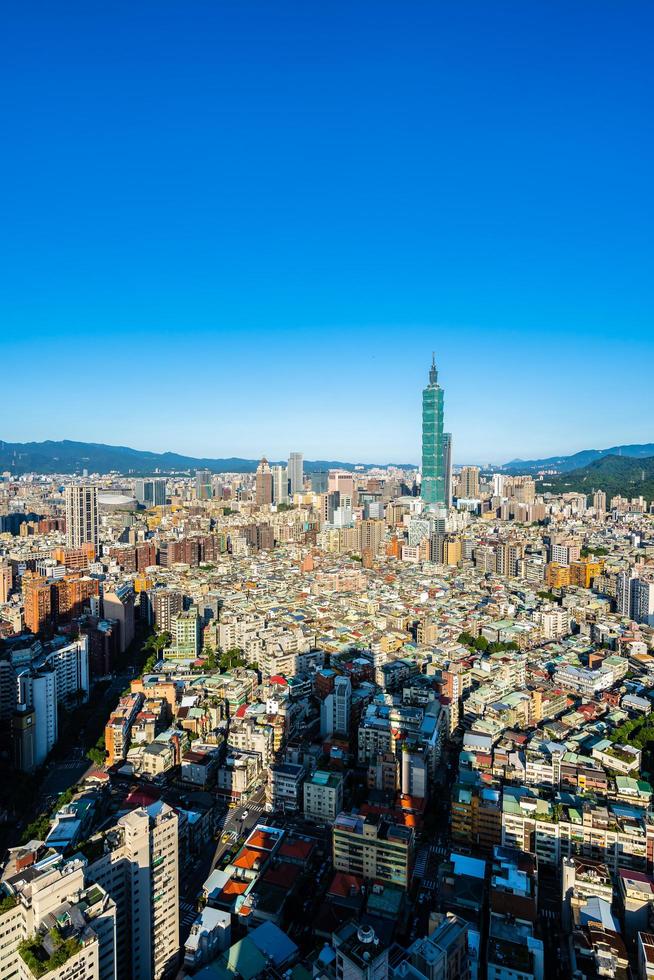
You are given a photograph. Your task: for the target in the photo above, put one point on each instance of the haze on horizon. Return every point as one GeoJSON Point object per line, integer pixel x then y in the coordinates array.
{"type": "Point", "coordinates": [248, 229]}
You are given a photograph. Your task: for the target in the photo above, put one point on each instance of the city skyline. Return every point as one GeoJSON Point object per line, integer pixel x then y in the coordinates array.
{"type": "Point", "coordinates": [327, 218]}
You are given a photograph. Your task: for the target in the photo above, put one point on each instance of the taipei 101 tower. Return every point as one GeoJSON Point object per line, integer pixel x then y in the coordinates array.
{"type": "Point", "coordinates": [434, 491]}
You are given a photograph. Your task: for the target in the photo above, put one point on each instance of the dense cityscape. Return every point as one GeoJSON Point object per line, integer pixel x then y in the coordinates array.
{"type": "Point", "coordinates": [336, 723]}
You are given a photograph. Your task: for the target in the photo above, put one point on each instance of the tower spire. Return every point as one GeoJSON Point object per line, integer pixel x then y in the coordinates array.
{"type": "Point", "coordinates": [433, 373]}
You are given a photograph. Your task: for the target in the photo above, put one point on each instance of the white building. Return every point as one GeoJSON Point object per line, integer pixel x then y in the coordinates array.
{"type": "Point", "coordinates": [323, 796]}
{"type": "Point", "coordinates": [137, 863]}
{"type": "Point", "coordinates": [82, 517]}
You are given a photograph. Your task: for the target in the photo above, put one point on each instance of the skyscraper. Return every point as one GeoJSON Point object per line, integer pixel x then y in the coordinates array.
{"type": "Point", "coordinates": [447, 466]}
{"type": "Point", "coordinates": [469, 482]}
{"type": "Point", "coordinates": [264, 483]}
{"type": "Point", "coordinates": [152, 493]}
{"type": "Point", "coordinates": [203, 490]}
{"type": "Point", "coordinates": [433, 476]}
{"type": "Point", "coordinates": [296, 472]}
{"type": "Point", "coordinates": [82, 520]}
{"type": "Point", "coordinates": [279, 484]}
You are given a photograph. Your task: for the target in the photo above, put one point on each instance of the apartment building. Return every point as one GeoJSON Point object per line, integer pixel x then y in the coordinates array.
{"type": "Point", "coordinates": [373, 848]}
{"type": "Point", "coordinates": [137, 863]}
{"type": "Point", "coordinates": [323, 796]}
{"type": "Point", "coordinates": [48, 909]}
{"type": "Point", "coordinates": [118, 728]}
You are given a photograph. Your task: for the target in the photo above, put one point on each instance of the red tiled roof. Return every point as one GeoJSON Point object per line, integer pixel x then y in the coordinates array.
{"type": "Point", "coordinates": [343, 884]}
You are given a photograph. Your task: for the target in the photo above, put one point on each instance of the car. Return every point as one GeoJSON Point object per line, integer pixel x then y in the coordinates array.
{"type": "Point", "coordinates": [245, 814]}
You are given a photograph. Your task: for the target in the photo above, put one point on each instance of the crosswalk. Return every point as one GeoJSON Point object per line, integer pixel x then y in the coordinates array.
{"type": "Point", "coordinates": [187, 914]}
{"type": "Point", "coordinates": [420, 863]}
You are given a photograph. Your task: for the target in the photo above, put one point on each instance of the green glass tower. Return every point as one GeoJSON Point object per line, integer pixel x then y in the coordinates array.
{"type": "Point", "coordinates": [433, 468]}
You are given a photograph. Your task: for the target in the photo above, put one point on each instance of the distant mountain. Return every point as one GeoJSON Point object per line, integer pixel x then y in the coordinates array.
{"type": "Point", "coordinates": [613, 474]}
{"type": "Point", "coordinates": [563, 464]}
{"type": "Point", "coordinates": [74, 457]}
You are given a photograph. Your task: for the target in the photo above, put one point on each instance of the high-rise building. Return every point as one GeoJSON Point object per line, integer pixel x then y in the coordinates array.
{"type": "Point", "coordinates": [37, 692]}
{"type": "Point", "coordinates": [167, 603]}
{"type": "Point", "coordinates": [264, 484]}
{"type": "Point", "coordinates": [6, 580]}
{"type": "Point", "coordinates": [56, 926]}
{"type": "Point", "coordinates": [335, 709]}
{"type": "Point", "coordinates": [447, 466]}
{"type": "Point", "coordinates": [118, 604]}
{"type": "Point", "coordinates": [151, 492]}
{"type": "Point", "coordinates": [433, 476]}
{"type": "Point", "coordinates": [279, 484]}
{"type": "Point", "coordinates": [296, 472]}
{"type": "Point", "coordinates": [82, 518]}
{"type": "Point", "coordinates": [599, 502]}
{"type": "Point", "coordinates": [319, 481]}
{"type": "Point", "coordinates": [373, 848]}
{"type": "Point", "coordinates": [37, 600]}
{"type": "Point", "coordinates": [203, 489]}
{"type": "Point", "coordinates": [137, 863]}
{"type": "Point", "coordinates": [469, 482]}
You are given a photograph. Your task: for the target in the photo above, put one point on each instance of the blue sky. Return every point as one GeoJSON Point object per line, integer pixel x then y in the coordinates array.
{"type": "Point", "coordinates": [237, 228]}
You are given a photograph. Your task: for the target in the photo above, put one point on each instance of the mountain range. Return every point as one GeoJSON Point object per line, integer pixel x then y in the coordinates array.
{"type": "Point", "coordinates": [631, 477]}
{"type": "Point", "coordinates": [74, 457]}
{"type": "Point", "coordinates": [564, 464]}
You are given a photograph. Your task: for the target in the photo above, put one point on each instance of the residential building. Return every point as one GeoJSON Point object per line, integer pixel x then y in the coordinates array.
{"type": "Point", "coordinates": [373, 847]}
{"type": "Point", "coordinates": [82, 516]}
{"type": "Point", "coordinates": [323, 796]}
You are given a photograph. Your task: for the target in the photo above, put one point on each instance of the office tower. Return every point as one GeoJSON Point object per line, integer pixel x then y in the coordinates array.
{"type": "Point", "coordinates": [319, 481]}
{"type": "Point", "coordinates": [37, 600]}
{"type": "Point", "coordinates": [279, 484]}
{"type": "Point", "coordinates": [118, 604]}
{"type": "Point", "coordinates": [203, 489]}
{"type": "Point", "coordinates": [56, 927]}
{"type": "Point", "coordinates": [167, 603]}
{"type": "Point", "coordinates": [447, 467]}
{"type": "Point", "coordinates": [599, 502]}
{"type": "Point", "coordinates": [433, 478]}
{"type": "Point", "coordinates": [82, 519]}
{"type": "Point", "coordinates": [341, 482]}
{"type": "Point", "coordinates": [264, 484]}
{"type": "Point", "coordinates": [296, 472]}
{"type": "Point", "coordinates": [151, 492]}
{"type": "Point", "coordinates": [138, 866]}
{"type": "Point", "coordinates": [469, 482]}
{"type": "Point", "coordinates": [6, 581]}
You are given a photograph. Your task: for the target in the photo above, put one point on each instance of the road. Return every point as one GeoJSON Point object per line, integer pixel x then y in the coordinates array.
{"type": "Point", "coordinates": [198, 870]}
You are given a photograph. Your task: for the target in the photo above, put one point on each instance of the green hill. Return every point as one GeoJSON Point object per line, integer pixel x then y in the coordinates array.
{"type": "Point", "coordinates": [67, 456]}
{"type": "Point", "coordinates": [613, 474]}
{"type": "Point", "coordinates": [566, 464]}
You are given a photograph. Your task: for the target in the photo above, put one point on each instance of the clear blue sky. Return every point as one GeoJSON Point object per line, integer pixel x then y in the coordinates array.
{"type": "Point", "coordinates": [236, 228]}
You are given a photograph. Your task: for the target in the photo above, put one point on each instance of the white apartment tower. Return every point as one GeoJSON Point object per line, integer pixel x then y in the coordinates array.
{"type": "Point", "coordinates": [139, 868]}
{"type": "Point", "coordinates": [279, 484]}
{"type": "Point", "coordinates": [82, 519]}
